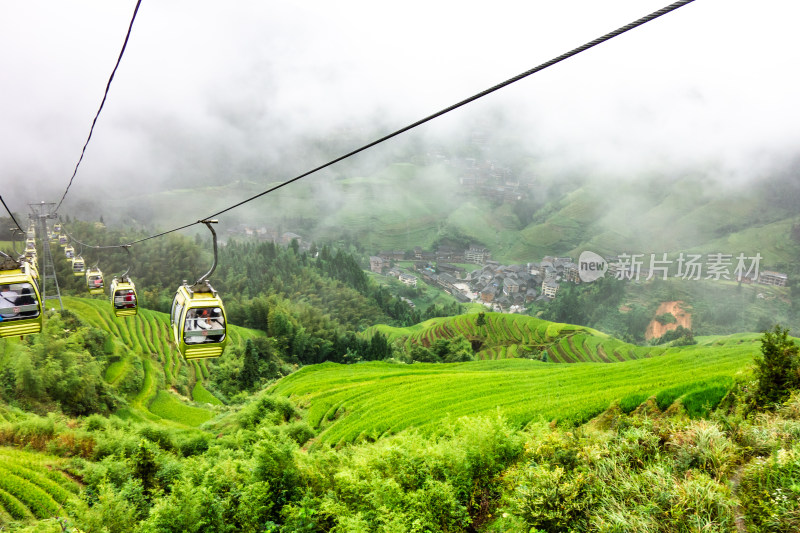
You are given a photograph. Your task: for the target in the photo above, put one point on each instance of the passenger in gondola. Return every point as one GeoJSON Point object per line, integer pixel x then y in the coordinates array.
{"type": "Point", "coordinates": [192, 325]}
{"type": "Point", "coordinates": [203, 317]}
{"type": "Point", "coordinates": [124, 299]}
{"type": "Point", "coordinates": [217, 323]}
{"type": "Point", "coordinates": [8, 300]}
{"type": "Point", "coordinates": [130, 299]}
{"type": "Point", "coordinates": [26, 298]}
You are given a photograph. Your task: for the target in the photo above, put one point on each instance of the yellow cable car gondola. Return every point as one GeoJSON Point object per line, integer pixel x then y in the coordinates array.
{"type": "Point", "coordinates": [94, 280]}
{"type": "Point", "coordinates": [62, 240]}
{"type": "Point", "coordinates": [69, 251]}
{"type": "Point", "coordinates": [57, 227]}
{"type": "Point", "coordinates": [123, 296]}
{"type": "Point", "coordinates": [20, 303]}
{"type": "Point", "coordinates": [198, 321]}
{"type": "Point", "coordinates": [78, 266]}
{"type": "Point", "coordinates": [197, 317]}
{"type": "Point", "coordinates": [123, 293]}
{"type": "Point", "coordinates": [31, 268]}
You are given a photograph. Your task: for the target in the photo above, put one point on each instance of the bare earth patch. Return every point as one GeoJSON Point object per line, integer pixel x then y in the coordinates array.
{"type": "Point", "coordinates": [682, 318]}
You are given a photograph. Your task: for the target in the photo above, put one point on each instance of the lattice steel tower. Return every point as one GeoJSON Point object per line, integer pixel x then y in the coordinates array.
{"type": "Point", "coordinates": [41, 213]}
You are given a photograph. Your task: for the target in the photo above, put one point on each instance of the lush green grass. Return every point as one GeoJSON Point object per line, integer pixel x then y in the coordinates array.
{"type": "Point", "coordinates": [201, 395]}
{"type": "Point", "coordinates": [505, 335]}
{"type": "Point", "coordinates": [167, 405]}
{"type": "Point", "coordinates": [33, 485]}
{"type": "Point", "coordinates": [348, 403]}
{"type": "Point", "coordinates": [148, 337]}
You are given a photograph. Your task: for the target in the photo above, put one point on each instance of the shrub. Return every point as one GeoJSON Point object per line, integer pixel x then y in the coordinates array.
{"type": "Point", "coordinates": [704, 447]}
{"type": "Point", "coordinates": [776, 368]}
{"type": "Point", "coordinates": [666, 318]}
{"type": "Point", "coordinates": [770, 490]}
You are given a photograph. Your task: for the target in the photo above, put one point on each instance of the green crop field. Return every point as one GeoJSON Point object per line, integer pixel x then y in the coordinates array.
{"type": "Point", "coordinates": [32, 486]}
{"type": "Point", "coordinates": [563, 343]}
{"type": "Point", "coordinates": [201, 395]}
{"type": "Point", "coordinates": [367, 400]}
{"type": "Point", "coordinates": [146, 339]}
{"type": "Point", "coordinates": [167, 405]}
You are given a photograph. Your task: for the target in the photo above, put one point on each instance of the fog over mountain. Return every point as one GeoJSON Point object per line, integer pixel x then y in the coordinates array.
{"type": "Point", "coordinates": [262, 91]}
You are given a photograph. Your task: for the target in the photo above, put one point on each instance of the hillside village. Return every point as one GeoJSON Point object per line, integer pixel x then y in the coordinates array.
{"type": "Point", "coordinates": [502, 288]}
{"type": "Point", "coordinates": [510, 288]}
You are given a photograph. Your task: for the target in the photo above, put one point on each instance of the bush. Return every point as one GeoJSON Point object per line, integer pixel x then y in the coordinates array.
{"type": "Point", "coordinates": [770, 490]}
{"type": "Point", "coordinates": [776, 368]}
{"type": "Point", "coordinates": [666, 318]}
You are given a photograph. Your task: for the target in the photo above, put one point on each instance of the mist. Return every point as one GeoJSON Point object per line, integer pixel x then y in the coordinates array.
{"type": "Point", "coordinates": [258, 92]}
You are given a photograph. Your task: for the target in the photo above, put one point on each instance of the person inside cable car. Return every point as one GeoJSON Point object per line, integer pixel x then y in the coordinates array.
{"type": "Point", "coordinates": [8, 300]}
{"type": "Point", "coordinates": [11, 301]}
{"type": "Point", "coordinates": [96, 281]}
{"type": "Point", "coordinates": [202, 319]}
{"type": "Point", "coordinates": [124, 299]}
{"type": "Point", "coordinates": [217, 323]}
{"type": "Point", "coordinates": [205, 320]}
{"type": "Point", "coordinates": [192, 324]}
{"type": "Point", "coordinates": [26, 298]}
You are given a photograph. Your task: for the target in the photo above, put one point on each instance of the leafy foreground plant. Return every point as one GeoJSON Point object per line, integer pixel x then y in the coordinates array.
{"type": "Point", "coordinates": [472, 474]}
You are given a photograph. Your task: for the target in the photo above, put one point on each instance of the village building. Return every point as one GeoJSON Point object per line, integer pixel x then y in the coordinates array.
{"type": "Point", "coordinates": [476, 254]}
{"type": "Point", "coordinates": [549, 288]}
{"type": "Point", "coordinates": [395, 255]}
{"type": "Point", "coordinates": [408, 279]}
{"type": "Point", "coordinates": [288, 237]}
{"type": "Point", "coordinates": [376, 264]}
{"type": "Point", "coordinates": [510, 286]}
{"type": "Point", "coordinates": [769, 277]}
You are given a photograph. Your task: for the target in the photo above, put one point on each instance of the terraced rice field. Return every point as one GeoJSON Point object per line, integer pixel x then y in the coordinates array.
{"type": "Point", "coordinates": [507, 335]}
{"type": "Point", "coordinates": [32, 486]}
{"type": "Point", "coordinates": [367, 400]}
{"type": "Point", "coordinates": [147, 336]}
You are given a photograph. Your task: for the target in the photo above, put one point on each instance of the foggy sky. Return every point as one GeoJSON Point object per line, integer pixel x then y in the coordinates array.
{"type": "Point", "coordinates": [225, 90]}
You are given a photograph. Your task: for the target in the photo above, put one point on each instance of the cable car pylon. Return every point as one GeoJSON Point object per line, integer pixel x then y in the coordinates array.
{"type": "Point", "coordinates": [42, 212]}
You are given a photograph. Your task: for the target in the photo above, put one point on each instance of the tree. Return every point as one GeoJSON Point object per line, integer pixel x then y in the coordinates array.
{"type": "Point", "coordinates": [481, 321]}
{"type": "Point", "coordinates": [249, 374]}
{"type": "Point", "coordinates": [776, 368]}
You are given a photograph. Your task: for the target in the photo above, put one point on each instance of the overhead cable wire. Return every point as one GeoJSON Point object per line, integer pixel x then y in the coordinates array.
{"type": "Point", "coordinates": [11, 215]}
{"type": "Point", "coordinates": [102, 103]}
{"type": "Point", "coordinates": [562, 57]}
{"type": "Point", "coordinates": [481, 94]}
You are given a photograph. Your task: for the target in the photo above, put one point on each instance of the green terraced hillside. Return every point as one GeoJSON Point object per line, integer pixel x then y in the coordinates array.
{"type": "Point", "coordinates": [368, 400]}
{"type": "Point", "coordinates": [144, 345]}
{"type": "Point", "coordinates": [33, 486]}
{"type": "Point", "coordinates": [509, 335]}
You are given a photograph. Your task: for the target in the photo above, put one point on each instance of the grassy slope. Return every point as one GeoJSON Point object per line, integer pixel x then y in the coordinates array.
{"type": "Point", "coordinates": [370, 399]}
{"type": "Point", "coordinates": [33, 485]}
{"type": "Point", "coordinates": [504, 333]}
{"type": "Point", "coordinates": [147, 337]}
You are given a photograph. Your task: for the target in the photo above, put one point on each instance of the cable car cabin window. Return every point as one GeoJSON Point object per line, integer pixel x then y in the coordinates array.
{"type": "Point", "coordinates": [124, 299]}
{"type": "Point", "coordinates": [204, 325]}
{"type": "Point", "coordinates": [17, 301]}
{"type": "Point", "coordinates": [177, 309]}
{"type": "Point", "coordinates": [96, 282]}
